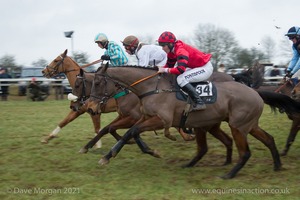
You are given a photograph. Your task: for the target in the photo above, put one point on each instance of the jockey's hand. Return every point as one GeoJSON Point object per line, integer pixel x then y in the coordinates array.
{"type": "Point", "coordinates": [163, 70]}
{"type": "Point", "coordinates": [289, 74]}
{"type": "Point", "coordinates": [105, 57]}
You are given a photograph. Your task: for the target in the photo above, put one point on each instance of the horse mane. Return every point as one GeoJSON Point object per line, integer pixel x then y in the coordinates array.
{"type": "Point", "coordinates": [280, 101]}
{"type": "Point", "coordinates": [75, 63]}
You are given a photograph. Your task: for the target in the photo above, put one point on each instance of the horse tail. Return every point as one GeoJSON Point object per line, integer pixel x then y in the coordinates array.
{"type": "Point", "coordinates": [282, 102]}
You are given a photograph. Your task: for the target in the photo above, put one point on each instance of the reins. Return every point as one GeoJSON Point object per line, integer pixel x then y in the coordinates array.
{"type": "Point", "coordinates": [278, 89]}
{"type": "Point", "coordinates": [92, 63]}
{"type": "Point", "coordinates": [143, 79]}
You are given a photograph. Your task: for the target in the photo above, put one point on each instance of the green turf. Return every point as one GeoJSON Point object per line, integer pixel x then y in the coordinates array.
{"type": "Point", "coordinates": [32, 170]}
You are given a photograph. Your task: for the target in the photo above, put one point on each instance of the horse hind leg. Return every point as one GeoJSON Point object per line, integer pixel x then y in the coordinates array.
{"type": "Point", "coordinates": [243, 149]}
{"type": "Point", "coordinates": [168, 134]}
{"type": "Point", "coordinates": [291, 137]}
{"type": "Point", "coordinates": [269, 142]}
{"type": "Point", "coordinates": [218, 133]}
{"type": "Point", "coordinates": [201, 146]}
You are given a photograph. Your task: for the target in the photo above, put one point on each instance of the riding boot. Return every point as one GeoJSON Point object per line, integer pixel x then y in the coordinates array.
{"type": "Point", "coordinates": [198, 102]}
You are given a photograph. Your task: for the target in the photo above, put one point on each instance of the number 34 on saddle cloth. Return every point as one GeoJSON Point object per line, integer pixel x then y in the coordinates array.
{"type": "Point", "coordinates": [206, 90]}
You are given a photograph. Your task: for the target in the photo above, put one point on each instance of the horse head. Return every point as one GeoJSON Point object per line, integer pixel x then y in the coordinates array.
{"type": "Point", "coordinates": [82, 90]}
{"type": "Point", "coordinates": [103, 89]}
{"type": "Point", "coordinates": [61, 64]}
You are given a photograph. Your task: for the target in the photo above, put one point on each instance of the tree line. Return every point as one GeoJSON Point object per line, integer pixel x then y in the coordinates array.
{"type": "Point", "coordinates": [218, 41]}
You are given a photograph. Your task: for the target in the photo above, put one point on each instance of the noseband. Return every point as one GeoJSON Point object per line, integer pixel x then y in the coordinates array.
{"type": "Point", "coordinates": [103, 100]}
{"type": "Point", "coordinates": [52, 71]}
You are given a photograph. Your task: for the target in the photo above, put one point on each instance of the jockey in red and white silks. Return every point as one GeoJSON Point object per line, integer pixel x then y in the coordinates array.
{"type": "Point", "coordinates": [192, 65]}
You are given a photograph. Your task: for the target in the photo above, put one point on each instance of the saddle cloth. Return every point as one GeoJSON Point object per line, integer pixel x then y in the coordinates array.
{"type": "Point", "coordinates": [206, 90]}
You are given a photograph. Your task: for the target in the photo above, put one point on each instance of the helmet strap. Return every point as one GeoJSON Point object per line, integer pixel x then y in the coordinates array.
{"type": "Point", "coordinates": [104, 44]}
{"type": "Point", "coordinates": [171, 46]}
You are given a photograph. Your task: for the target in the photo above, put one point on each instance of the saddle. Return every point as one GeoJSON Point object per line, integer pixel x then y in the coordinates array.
{"type": "Point", "coordinates": [206, 90]}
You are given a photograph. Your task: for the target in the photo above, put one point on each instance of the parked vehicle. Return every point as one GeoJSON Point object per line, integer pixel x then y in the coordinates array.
{"type": "Point", "coordinates": [67, 87]}
{"type": "Point", "coordinates": [27, 73]}
{"type": "Point", "coordinates": [271, 80]}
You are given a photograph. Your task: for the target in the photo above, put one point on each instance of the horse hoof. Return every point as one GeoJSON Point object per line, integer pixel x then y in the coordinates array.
{"type": "Point", "coordinates": [83, 150]}
{"type": "Point", "coordinates": [44, 140]}
{"type": "Point", "coordinates": [227, 176]}
{"type": "Point", "coordinates": [103, 161]}
{"type": "Point", "coordinates": [156, 154]}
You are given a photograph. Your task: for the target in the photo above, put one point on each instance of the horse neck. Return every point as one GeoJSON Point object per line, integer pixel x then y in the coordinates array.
{"type": "Point", "coordinates": [129, 75]}
{"type": "Point", "coordinates": [71, 69]}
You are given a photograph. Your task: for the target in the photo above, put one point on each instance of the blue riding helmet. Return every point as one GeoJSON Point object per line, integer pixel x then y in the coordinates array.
{"type": "Point", "coordinates": [295, 30]}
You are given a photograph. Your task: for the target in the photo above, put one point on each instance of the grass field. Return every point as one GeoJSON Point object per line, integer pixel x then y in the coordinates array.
{"type": "Point", "coordinates": [32, 170]}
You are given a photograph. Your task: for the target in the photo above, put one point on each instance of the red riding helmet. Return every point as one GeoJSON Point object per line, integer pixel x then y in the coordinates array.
{"type": "Point", "coordinates": [167, 37]}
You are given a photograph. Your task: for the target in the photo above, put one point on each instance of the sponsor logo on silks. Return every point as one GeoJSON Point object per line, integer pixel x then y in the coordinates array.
{"type": "Point", "coordinates": [194, 74]}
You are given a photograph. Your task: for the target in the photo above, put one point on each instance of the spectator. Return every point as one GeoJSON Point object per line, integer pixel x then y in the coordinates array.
{"type": "Point", "coordinates": [5, 87]}
{"type": "Point", "coordinates": [35, 93]}
{"type": "Point", "coordinates": [221, 68]}
{"type": "Point", "coordinates": [275, 71]}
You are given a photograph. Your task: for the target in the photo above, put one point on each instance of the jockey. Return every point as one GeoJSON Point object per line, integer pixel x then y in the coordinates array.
{"type": "Point", "coordinates": [193, 65]}
{"type": "Point", "coordinates": [113, 53]}
{"type": "Point", "coordinates": [293, 69]}
{"type": "Point", "coordinates": [146, 54]}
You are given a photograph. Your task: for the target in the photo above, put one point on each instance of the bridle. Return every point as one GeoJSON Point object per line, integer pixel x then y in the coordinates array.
{"type": "Point", "coordinates": [119, 92]}
{"type": "Point", "coordinates": [83, 97]}
{"type": "Point", "coordinates": [54, 70]}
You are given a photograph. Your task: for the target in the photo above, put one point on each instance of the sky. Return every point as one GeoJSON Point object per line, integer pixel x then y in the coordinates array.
{"type": "Point", "coordinates": [34, 29]}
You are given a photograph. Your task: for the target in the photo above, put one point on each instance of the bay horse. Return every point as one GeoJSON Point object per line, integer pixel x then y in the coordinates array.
{"type": "Point", "coordinates": [237, 104]}
{"type": "Point", "coordinates": [129, 113]}
{"type": "Point", "coordinates": [65, 64]}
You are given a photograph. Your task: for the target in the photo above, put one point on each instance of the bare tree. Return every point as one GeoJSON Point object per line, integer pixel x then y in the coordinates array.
{"type": "Point", "coordinates": [80, 57]}
{"type": "Point", "coordinates": [40, 63]}
{"type": "Point", "coordinates": [268, 44]}
{"type": "Point", "coordinates": [220, 42]}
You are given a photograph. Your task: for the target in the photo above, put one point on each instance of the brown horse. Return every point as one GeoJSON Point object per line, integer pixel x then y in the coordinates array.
{"type": "Point", "coordinates": [65, 64]}
{"type": "Point", "coordinates": [287, 88]}
{"type": "Point", "coordinates": [129, 113]}
{"type": "Point", "coordinates": [236, 104]}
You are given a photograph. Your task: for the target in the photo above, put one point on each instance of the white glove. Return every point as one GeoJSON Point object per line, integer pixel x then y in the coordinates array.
{"type": "Point", "coordinates": [163, 70]}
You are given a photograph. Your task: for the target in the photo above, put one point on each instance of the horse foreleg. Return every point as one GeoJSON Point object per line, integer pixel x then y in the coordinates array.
{"type": "Point", "coordinates": [141, 125]}
{"type": "Point", "coordinates": [201, 146]}
{"type": "Point", "coordinates": [243, 149]}
{"type": "Point", "coordinates": [269, 142]}
{"type": "Point", "coordinates": [293, 132]}
{"type": "Point", "coordinates": [218, 133]}
{"type": "Point", "coordinates": [69, 118]}
{"type": "Point", "coordinates": [93, 141]}
{"type": "Point", "coordinates": [118, 123]}
{"type": "Point", "coordinates": [96, 123]}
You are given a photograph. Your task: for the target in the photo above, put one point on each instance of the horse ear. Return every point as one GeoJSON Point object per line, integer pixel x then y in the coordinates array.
{"type": "Point", "coordinates": [81, 72]}
{"type": "Point", "coordinates": [66, 51]}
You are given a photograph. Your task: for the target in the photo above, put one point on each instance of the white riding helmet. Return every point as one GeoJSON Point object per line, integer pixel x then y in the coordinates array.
{"type": "Point", "coordinates": [101, 37]}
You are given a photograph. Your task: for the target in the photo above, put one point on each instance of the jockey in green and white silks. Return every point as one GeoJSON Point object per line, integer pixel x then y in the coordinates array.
{"type": "Point", "coordinates": [113, 53]}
